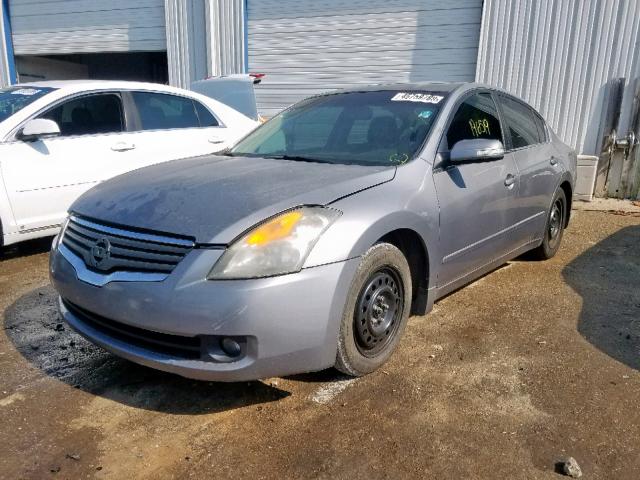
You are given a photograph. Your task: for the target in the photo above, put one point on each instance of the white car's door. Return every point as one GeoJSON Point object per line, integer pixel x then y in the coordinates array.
{"type": "Point", "coordinates": [43, 177]}
{"type": "Point", "coordinates": [173, 126]}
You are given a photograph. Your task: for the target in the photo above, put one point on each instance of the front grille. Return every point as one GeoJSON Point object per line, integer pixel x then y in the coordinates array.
{"type": "Point", "coordinates": [107, 249]}
{"type": "Point", "coordinates": [167, 344]}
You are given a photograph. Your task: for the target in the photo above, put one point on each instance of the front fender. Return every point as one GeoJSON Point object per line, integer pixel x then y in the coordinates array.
{"type": "Point", "coordinates": [372, 214]}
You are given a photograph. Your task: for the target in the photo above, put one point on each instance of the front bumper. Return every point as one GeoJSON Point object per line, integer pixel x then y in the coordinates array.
{"type": "Point", "coordinates": [289, 324]}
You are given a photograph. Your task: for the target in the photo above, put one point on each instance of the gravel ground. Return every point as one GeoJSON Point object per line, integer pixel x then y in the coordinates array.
{"type": "Point", "coordinates": [531, 364]}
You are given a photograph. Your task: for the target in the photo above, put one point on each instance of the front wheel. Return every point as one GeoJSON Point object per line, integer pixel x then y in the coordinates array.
{"type": "Point", "coordinates": [377, 311]}
{"type": "Point", "coordinates": [556, 220]}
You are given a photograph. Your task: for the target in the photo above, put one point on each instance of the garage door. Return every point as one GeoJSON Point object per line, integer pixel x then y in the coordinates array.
{"type": "Point", "coordinates": [42, 27]}
{"type": "Point", "coordinates": [311, 46]}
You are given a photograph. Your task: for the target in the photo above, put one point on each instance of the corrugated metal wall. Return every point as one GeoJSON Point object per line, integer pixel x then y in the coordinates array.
{"type": "Point", "coordinates": [310, 46]}
{"type": "Point", "coordinates": [5, 55]}
{"type": "Point", "coordinates": [226, 36]}
{"type": "Point", "coordinates": [204, 38]}
{"type": "Point", "coordinates": [559, 55]}
{"type": "Point", "coordinates": [82, 26]}
{"type": "Point", "coordinates": [186, 48]}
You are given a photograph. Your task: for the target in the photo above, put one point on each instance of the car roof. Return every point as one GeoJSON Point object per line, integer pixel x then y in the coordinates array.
{"type": "Point", "coordinates": [79, 85]}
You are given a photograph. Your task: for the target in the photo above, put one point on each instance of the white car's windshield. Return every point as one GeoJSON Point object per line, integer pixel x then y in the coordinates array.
{"type": "Point", "coordinates": [14, 99]}
{"type": "Point", "coordinates": [385, 127]}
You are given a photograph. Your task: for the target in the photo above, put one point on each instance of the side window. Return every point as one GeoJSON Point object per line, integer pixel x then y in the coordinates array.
{"type": "Point", "coordinates": [205, 117]}
{"type": "Point", "coordinates": [477, 117]}
{"type": "Point", "coordinates": [161, 111]}
{"type": "Point", "coordinates": [520, 123]}
{"type": "Point", "coordinates": [88, 115]}
{"type": "Point", "coordinates": [542, 131]}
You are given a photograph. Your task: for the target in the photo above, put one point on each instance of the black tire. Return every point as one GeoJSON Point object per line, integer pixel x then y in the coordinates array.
{"type": "Point", "coordinates": [376, 312]}
{"type": "Point", "coordinates": [554, 228]}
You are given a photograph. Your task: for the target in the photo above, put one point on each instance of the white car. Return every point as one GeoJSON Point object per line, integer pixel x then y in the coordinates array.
{"type": "Point", "coordinates": [58, 139]}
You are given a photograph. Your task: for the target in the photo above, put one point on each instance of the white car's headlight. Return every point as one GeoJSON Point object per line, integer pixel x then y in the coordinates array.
{"type": "Point", "coordinates": [276, 247]}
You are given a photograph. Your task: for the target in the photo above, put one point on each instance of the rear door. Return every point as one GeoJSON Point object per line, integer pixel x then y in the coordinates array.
{"type": "Point", "coordinates": [44, 177]}
{"type": "Point", "coordinates": [476, 198]}
{"type": "Point", "coordinates": [528, 141]}
{"type": "Point", "coordinates": [167, 127]}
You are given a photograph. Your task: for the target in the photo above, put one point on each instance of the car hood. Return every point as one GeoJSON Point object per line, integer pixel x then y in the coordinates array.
{"type": "Point", "coordinates": [216, 198]}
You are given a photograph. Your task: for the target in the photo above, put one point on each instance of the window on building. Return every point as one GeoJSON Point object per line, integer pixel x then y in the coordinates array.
{"type": "Point", "coordinates": [161, 111]}
{"type": "Point", "coordinates": [88, 115]}
{"type": "Point", "coordinates": [477, 117]}
{"type": "Point", "coordinates": [520, 123]}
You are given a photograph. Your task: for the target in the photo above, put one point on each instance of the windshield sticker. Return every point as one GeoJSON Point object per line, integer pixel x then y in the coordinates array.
{"type": "Point", "coordinates": [26, 91]}
{"type": "Point", "coordinates": [425, 114]}
{"type": "Point", "coordinates": [416, 97]}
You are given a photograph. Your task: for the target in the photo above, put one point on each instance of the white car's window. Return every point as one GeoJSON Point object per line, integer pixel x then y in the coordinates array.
{"type": "Point", "coordinates": [88, 115]}
{"type": "Point", "coordinates": [161, 111]}
{"type": "Point", "coordinates": [205, 117]}
{"type": "Point", "coordinates": [14, 99]}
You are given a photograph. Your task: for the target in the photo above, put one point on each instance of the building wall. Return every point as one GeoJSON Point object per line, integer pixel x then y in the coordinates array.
{"type": "Point", "coordinates": [204, 38]}
{"type": "Point", "coordinates": [6, 57]}
{"type": "Point", "coordinates": [310, 46]}
{"type": "Point", "coordinates": [560, 56]}
{"type": "Point", "coordinates": [82, 26]}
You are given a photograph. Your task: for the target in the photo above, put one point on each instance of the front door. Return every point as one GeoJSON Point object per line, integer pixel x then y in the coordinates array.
{"type": "Point", "coordinates": [44, 177]}
{"type": "Point", "coordinates": [476, 198]}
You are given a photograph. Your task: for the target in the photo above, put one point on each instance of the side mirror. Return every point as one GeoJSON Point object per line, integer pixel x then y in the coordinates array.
{"type": "Point", "coordinates": [476, 150]}
{"type": "Point", "coordinates": [39, 128]}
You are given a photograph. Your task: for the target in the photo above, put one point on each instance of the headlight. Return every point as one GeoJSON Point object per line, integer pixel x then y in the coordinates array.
{"type": "Point", "coordinates": [276, 247]}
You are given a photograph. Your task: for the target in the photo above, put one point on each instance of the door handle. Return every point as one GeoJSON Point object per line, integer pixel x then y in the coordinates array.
{"type": "Point", "coordinates": [122, 147]}
{"type": "Point", "coordinates": [509, 181]}
{"type": "Point", "coordinates": [553, 160]}
{"type": "Point", "coordinates": [216, 140]}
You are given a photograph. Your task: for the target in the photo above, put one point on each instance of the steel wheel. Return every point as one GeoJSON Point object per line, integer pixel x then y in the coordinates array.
{"type": "Point", "coordinates": [376, 311]}
{"type": "Point", "coordinates": [554, 227]}
{"type": "Point", "coordinates": [380, 306]}
{"type": "Point", "coordinates": [556, 221]}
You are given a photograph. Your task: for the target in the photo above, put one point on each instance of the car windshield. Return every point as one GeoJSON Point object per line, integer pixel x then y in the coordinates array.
{"type": "Point", "coordinates": [385, 127]}
{"type": "Point", "coordinates": [14, 99]}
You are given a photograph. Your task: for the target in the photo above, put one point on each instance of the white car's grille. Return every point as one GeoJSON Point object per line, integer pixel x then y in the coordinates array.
{"type": "Point", "coordinates": [109, 249]}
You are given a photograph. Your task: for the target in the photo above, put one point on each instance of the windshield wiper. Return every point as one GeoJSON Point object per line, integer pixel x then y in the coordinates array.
{"type": "Point", "coordinates": [299, 158]}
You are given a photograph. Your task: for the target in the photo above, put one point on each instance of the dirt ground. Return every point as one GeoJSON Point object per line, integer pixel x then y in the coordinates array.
{"type": "Point", "coordinates": [532, 363]}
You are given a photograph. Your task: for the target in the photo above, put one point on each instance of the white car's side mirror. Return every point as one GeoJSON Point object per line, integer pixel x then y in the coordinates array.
{"type": "Point", "coordinates": [39, 128]}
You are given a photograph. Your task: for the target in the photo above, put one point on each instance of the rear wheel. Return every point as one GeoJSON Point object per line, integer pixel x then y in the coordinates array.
{"type": "Point", "coordinates": [556, 220]}
{"type": "Point", "coordinates": [376, 312]}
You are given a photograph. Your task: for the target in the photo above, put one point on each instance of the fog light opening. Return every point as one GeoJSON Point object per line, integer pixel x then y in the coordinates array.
{"type": "Point", "coordinates": [231, 347]}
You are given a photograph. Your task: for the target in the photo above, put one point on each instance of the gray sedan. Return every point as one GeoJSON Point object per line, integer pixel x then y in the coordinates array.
{"type": "Point", "coordinates": [310, 243]}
